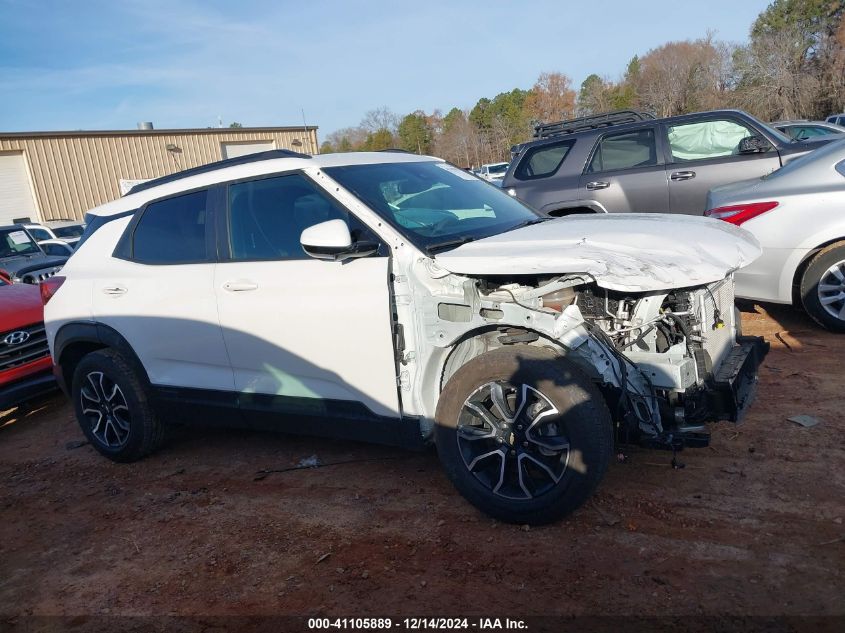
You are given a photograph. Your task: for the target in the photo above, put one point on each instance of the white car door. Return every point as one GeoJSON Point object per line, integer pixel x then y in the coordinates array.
{"type": "Point", "coordinates": [159, 294]}
{"type": "Point", "coordinates": [303, 335]}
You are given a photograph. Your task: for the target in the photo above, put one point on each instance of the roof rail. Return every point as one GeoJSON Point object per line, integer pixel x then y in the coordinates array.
{"type": "Point", "coordinates": [395, 150]}
{"type": "Point", "coordinates": [607, 119]}
{"type": "Point", "coordinates": [220, 164]}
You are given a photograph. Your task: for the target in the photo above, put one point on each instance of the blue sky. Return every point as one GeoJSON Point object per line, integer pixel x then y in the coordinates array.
{"type": "Point", "coordinates": [94, 64]}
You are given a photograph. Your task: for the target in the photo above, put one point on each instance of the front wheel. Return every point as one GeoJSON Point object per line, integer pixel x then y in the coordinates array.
{"type": "Point", "coordinates": [523, 434]}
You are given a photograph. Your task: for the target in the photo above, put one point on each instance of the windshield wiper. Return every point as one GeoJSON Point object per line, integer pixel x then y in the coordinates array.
{"type": "Point", "coordinates": [526, 223]}
{"type": "Point", "coordinates": [447, 244]}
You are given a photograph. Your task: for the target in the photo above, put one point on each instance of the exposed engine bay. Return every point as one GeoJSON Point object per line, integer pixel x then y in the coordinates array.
{"type": "Point", "coordinates": [667, 361]}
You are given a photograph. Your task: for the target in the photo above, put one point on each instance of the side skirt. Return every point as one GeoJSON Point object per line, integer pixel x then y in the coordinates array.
{"type": "Point", "coordinates": [338, 419]}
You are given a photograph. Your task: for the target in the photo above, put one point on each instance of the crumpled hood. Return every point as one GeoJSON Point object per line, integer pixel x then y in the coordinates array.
{"type": "Point", "coordinates": [626, 251]}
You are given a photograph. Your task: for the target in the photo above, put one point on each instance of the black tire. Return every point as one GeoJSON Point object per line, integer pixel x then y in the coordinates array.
{"type": "Point", "coordinates": [819, 274]}
{"type": "Point", "coordinates": [582, 420]}
{"type": "Point", "coordinates": [113, 409]}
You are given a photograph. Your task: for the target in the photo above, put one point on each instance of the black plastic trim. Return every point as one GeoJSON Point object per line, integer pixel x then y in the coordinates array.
{"type": "Point", "coordinates": [338, 419]}
{"type": "Point", "coordinates": [17, 392]}
{"type": "Point", "coordinates": [734, 384]}
{"type": "Point", "coordinates": [93, 333]}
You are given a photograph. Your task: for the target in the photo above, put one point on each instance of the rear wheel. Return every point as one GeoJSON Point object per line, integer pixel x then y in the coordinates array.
{"type": "Point", "coordinates": [523, 434]}
{"type": "Point", "coordinates": [823, 287]}
{"type": "Point", "coordinates": [112, 407]}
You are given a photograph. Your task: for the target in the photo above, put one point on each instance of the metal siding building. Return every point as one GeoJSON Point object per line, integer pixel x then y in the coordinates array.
{"type": "Point", "coordinates": [60, 175]}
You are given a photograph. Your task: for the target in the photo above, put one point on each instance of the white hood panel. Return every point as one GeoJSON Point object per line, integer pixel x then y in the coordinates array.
{"type": "Point", "coordinates": [627, 251]}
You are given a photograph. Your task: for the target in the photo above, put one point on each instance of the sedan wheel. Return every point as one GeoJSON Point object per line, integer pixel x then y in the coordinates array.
{"type": "Point", "coordinates": [822, 287]}
{"type": "Point", "coordinates": [831, 290]}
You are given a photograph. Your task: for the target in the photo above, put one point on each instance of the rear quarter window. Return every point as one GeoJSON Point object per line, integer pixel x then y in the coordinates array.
{"type": "Point", "coordinates": [94, 222]}
{"type": "Point", "coordinates": [543, 161]}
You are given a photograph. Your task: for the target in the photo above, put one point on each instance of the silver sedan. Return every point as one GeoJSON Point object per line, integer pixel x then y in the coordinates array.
{"type": "Point", "coordinates": [798, 215]}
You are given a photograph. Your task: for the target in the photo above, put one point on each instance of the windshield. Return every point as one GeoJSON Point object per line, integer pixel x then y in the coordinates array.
{"type": "Point", "coordinates": [783, 138]}
{"type": "Point", "coordinates": [435, 205]}
{"type": "Point", "coordinates": [69, 231]}
{"type": "Point", "coordinates": [16, 242]}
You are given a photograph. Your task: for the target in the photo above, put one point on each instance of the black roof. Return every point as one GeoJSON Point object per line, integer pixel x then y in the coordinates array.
{"type": "Point", "coordinates": [220, 164]}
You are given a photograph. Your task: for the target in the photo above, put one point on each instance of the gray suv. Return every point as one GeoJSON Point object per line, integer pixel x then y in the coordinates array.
{"type": "Point", "coordinates": [627, 161]}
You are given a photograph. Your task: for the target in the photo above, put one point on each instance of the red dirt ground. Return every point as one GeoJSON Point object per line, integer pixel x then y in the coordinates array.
{"type": "Point", "coordinates": [752, 526]}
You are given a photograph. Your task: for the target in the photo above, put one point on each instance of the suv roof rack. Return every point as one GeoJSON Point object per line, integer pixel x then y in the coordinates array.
{"type": "Point", "coordinates": [570, 126]}
{"type": "Point", "coordinates": [220, 164]}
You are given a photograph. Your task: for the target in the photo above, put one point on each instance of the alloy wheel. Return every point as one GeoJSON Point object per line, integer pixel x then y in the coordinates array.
{"type": "Point", "coordinates": [511, 438]}
{"type": "Point", "coordinates": [104, 407]}
{"type": "Point", "coordinates": [831, 290]}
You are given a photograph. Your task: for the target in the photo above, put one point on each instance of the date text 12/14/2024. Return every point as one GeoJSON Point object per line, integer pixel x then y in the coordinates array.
{"type": "Point", "coordinates": [417, 624]}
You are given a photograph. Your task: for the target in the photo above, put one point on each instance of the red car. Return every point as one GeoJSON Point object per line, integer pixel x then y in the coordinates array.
{"type": "Point", "coordinates": [25, 364]}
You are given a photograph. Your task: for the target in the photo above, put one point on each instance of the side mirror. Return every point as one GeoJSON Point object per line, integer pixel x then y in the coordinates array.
{"type": "Point", "coordinates": [331, 240]}
{"type": "Point", "coordinates": [754, 145]}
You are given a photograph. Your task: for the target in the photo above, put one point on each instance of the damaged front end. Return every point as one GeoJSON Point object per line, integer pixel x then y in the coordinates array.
{"type": "Point", "coordinates": [667, 361]}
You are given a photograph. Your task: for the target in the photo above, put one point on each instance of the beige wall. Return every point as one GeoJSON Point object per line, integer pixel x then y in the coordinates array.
{"type": "Point", "coordinates": [73, 172]}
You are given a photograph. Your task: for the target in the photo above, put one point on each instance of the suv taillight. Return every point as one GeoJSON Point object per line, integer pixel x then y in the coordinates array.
{"type": "Point", "coordinates": [739, 213]}
{"type": "Point", "coordinates": [49, 287]}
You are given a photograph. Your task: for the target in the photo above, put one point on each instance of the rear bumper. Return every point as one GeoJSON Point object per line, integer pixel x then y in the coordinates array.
{"type": "Point", "coordinates": [12, 394]}
{"type": "Point", "coordinates": [735, 383]}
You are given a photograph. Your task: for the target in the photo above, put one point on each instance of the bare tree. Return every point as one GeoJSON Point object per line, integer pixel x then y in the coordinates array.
{"type": "Point", "coordinates": [774, 80]}
{"type": "Point", "coordinates": [551, 98]}
{"type": "Point", "coordinates": [680, 77]}
{"type": "Point", "coordinates": [382, 118]}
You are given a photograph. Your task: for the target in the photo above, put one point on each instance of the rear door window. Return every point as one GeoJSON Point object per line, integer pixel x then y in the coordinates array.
{"type": "Point", "coordinates": [626, 150]}
{"type": "Point", "coordinates": [172, 231]}
{"type": "Point", "coordinates": [543, 161]}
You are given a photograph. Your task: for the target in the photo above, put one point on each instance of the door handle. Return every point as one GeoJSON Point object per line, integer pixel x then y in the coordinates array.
{"type": "Point", "coordinates": [682, 175]}
{"type": "Point", "coordinates": [597, 184]}
{"type": "Point", "coordinates": [115, 291]}
{"type": "Point", "coordinates": [241, 285]}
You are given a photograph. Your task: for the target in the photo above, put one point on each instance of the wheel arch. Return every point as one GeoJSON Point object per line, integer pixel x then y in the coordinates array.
{"type": "Point", "coordinates": [801, 268]}
{"type": "Point", "coordinates": [485, 339]}
{"type": "Point", "coordinates": [75, 340]}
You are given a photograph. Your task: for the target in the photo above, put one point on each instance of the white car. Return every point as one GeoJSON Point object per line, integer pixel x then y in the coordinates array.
{"type": "Point", "coordinates": [798, 215]}
{"type": "Point", "coordinates": [398, 299]}
{"type": "Point", "coordinates": [66, 232]}
{"type": "Point", "coordinates": [493, 171]}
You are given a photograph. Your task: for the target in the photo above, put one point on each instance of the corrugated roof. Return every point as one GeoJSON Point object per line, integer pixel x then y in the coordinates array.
{"type": "Point", "coordinates": [155, 132]}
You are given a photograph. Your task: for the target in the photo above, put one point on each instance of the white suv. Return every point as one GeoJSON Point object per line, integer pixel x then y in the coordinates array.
{"type": "Point", "coordinates": [398, 299]}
